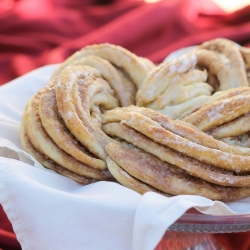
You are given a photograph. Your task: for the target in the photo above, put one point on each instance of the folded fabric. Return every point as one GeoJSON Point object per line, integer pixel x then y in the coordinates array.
{"type": "Point", "coordinates": [50, 211]}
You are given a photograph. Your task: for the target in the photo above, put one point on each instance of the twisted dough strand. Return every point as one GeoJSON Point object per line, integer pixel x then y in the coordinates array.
{"type": "Point", "coordinates": [158, 79]}
{"type": "Point", "coordinates": [129, 181]}
{"type": "Point", "coordinates": [56, 129]}
{"type": "Point", "coordinates": [136, 67]}
{"type": "Point", "coordinates": [157, 133]}
{"type": "Point", "coordinates": [50, 164]}
{"type": "Point", "coordinates": [192, 166]}
{"type": "Point", "coordinates": [66, 117]}
{"type": "Point", "coordinates": [222, 111]}
{"type": "Point", "coordinates": [166, 177]}
{"type": "Point", "coordinates": [124, 89]}
{"type": "Point", "coordinates": [74, 106]}
{"type": "Point", "coordinates": [223, 59]}
{"type": "Point", "coordinates": [44, 144]}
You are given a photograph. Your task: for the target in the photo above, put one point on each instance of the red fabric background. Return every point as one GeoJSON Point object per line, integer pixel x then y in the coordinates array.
{"type": "Point", "coordinates": [40, 32]}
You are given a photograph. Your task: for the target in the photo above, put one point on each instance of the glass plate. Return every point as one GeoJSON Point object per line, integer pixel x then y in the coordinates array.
{"type": "Point", "coordinates": [194, 221]}
{"type": "Point", "coordinates": [195, 231]}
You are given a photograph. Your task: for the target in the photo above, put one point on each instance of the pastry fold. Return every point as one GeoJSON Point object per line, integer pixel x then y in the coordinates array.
{"type": "Point", "coordinates": [179, 87]}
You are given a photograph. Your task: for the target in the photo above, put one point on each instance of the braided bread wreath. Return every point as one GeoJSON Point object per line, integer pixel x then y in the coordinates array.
{"type": "Point", "coordinates": [181, 127]}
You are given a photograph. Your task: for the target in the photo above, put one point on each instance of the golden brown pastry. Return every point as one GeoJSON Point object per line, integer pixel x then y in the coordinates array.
{"type": "Point", "coordinates": [166, 177]}
{"type": "Point", "coordinates": [62, 122]}
{"type": "Point", "coordinates": [80, 97]}
{"type": "Point", "coordinates": [224, 62]}
{"type": "Point", "coordinates": [41, 141]}
{"type": "Point", "coordinates": [181, 86]}
{"type": "Point", "coordinates": [245, 52]}
{"type": "Point", "coordinates": [60, 134]}
{"type": "Point", "coordinates": [50, 164]}
{"type": "Point", "coordinates": [127, 180]}
{"type": "Point", "coordinates": [226, 119]}
{"type": "Point", "coordinates": [136, 67]}
{"type": "Point", "coordinates": [157, 141]}
{"type": "Point", "coordinates": [123, 88]}
{"type": "Point", "coordinates": [188, 133]}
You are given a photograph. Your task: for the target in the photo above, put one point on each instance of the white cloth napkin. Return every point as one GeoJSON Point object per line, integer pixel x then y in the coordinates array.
{"type": "Point", "coordinates": [49, 211]}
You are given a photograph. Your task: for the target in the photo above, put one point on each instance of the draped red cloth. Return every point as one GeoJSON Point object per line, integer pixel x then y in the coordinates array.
{"type": "Point", "coordinates": [36, 33]}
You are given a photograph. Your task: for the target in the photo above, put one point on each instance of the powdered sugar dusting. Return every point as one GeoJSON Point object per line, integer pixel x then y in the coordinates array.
{"type": "Point", "coordinates": [215, 114]}
{"type": "Point", "coordinates": [222, 178]}
{"type": "Point", "coordinates": [184, 65]}
{"type": "Point", "coordinates": [172, 69]}
{"type": "Point", "coordinates": [122, 55]}
{"type": "Point", "coordinates": [69, 114]}
{"type": "Point", "coordinates": [67, 99]}
{"type": "Point", "coordinates": [151, 91]}
{"type": "Point", "coordinates": [230, 180]}
{"type": "Point", "coordinates": [81, 81]}
{"type": "Point", "coordinates": [175, 79]}
{"type": "Point", "coordinates": [157, 75]}
{"type": "Point", "coordinates": [217, 178]}
{"type": "Point", "coordinates": [58, 84]}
